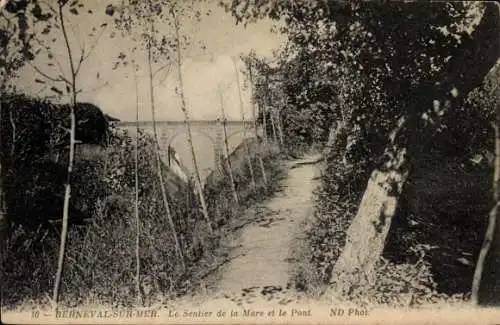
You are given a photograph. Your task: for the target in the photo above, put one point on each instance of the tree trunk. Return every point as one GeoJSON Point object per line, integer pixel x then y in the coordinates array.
{"type": "Point", "coordinates": [334, 137]}
{"type": "Point", "coordinates": [273, 126]}
{"type": "Point", "coordinates": [256, 133]}
{"type": "Point", "coordinates": [157, 154]}
{"type": "Point", "coordinates": [280, 129]}
{"type": "Point", "coordinates": [486, 281]}
{"type": "Point", "coordinates": [188, 124]}
{"type": "Point", "coordinates": [136, 189]}
{"type": "Point", "coordinates": [3, 204]}
{"type": "Point", "coordinates": [226, 149]}
{"type": "Point", "coordinates": [242, 111]}
{"type": "Point", "coordinates": [67, 191]}
{"type": "Point", "coordinates": [263, 110]}
{"type": "Point", "coordinates": [367, 233]}
{"type": "Point", "coordinates": [14, 134]}
{"type": "Point", "coordinates": [268, 112]}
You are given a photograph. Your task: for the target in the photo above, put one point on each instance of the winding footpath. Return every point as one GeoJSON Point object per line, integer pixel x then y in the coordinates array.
{"type": "Point", "coordinates": [263, 259]}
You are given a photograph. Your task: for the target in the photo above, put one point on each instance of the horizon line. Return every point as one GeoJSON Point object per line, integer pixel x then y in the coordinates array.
{"type": "Point", "coordinates": [179, 121]}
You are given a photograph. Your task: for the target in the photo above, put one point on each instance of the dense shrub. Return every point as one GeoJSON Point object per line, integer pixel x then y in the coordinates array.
{"type": "Point", "coordinates": [335, 201]}
{"type": "Point", "coordinates": [35, 153]}
{"type": "Point", "coordinates": [442, 211]}
{"type": "Point", "coordinates": [100, 254]}
{"type": "Point", "coordinates": [101, 249]}
{"type": "Point", "coordinates": [448, 195]}
{"type": "Point", "coordinates": [444, 207]}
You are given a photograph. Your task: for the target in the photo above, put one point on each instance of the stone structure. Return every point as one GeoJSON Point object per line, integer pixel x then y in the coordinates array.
{"type": "Point", "coordinates": [169, 131]}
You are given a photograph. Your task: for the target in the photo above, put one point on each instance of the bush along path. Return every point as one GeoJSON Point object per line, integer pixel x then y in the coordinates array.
{"type": "Point", "coordinates": [261, 262]}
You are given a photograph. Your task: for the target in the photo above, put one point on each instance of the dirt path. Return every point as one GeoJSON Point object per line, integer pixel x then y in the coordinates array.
{"type": "Point", "coordinates": [261, 262]}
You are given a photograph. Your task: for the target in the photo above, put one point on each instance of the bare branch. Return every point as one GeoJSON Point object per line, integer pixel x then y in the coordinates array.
{"type": "Point", "coordinates": [167, 66]}
{"type": "Point", "coordinates": [84, 57]}
{"type": "Point", "coordinates": [47, 48]}
{"type": "Point", "coordinates": [167, 69]}
{"type": "Point", "coordinates": [81, 43]}
{"type": "Point", "coordinates": [60, 78]}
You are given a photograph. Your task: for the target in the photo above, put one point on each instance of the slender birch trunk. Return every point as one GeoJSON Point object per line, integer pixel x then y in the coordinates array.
{"type": "Point", "coordinates": [188, 124]}
{"type": "Point", "coordinates": [273, 125]}
{"type": "Point", "coordinates": [272, 111]}
{"type": "Point", "coordinates": [242, 111]}
{"type": "Point", "coordinates": [280, 129]}
{"type": "Point", "coordinates": [157, 152]}
{"type": "Point", "coordinates": [264, 112]}
{"type": "Point", "coordinates": [256, 133]}
{"type": "Point", "coordinates": [333, 144]}
{"type": "Point", "coordinates": [137, 219]}
{"type": "Point", "coordinates": [14, 134]}
{"type": "Point", "coordinates": [493, 216]}
{"type": "Point", "coordinates": [483, 292]}
{"type": "Point", "coordinates": [226, 149]}
{"type": "Point", "coordinates": [485, 285]}
{"type": "Point", "coordinates": [67, 191]}
{"type": "Point", "coordinates": [3, 204]}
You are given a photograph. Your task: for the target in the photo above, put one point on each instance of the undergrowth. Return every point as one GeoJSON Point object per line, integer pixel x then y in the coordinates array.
{"type": "Point", "coordinates": [218, 191]}
{"type": "Point", "coordinates": [401, 285]}
{"type": "Point", "coordinates": [406, 284]}
{"type": "Point", "coordinates": [100, 255]}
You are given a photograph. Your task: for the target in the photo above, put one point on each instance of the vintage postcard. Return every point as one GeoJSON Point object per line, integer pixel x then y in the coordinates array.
{"type": "Point", "coordinates": [249, 162]}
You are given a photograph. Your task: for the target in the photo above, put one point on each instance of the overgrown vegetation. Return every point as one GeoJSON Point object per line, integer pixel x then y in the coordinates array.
{"type": "Point", "coordinates": [399, 96]}
{"type": "Point", "coordinates": [385, 100]}
{"type": "Point", "coordinates": [101, 237]}
{"type": "Point", "coordinates": [440, 221]}
{"type": "Point", "coordinates": [218, 190]}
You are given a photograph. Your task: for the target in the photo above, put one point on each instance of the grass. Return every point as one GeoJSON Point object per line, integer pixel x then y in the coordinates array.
{"type": "Point", "coordinates": [100, 256]}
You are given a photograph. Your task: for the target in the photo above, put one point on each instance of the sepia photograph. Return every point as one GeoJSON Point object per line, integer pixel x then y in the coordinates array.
{"type": "Point", "coordinates": [249, 162]}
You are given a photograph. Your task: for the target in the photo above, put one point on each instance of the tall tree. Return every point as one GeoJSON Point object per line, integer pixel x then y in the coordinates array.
{"type": "Point", "coordinates": [386, 183]}
{"type": "Point", "coordinates": [175, 17]}
{"type": "Point", "coordinates": [227, 157]}
{"type": "Point", "coordinates": [485, 285]}
{"type": "Point", "coordinates": [157, 144]}
{"type": "Point", "coordinates": [400, 81]}
{"type": "Point", "coordinates": [248, 60]}
{"type": "Point", "coordinates": [136, 189]}
{"type": "Point", "coordinates": [67, 192]}
{"type": "Point", "coordinates": [242, 112]}
{"type": "Point", "coordinates": [57, 18]}
{"type": "Point", "coordinates": [140, 18]}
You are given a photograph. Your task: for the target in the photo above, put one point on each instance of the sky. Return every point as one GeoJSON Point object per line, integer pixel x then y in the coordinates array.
{"type": "Point", "coordinates": [203, 70]}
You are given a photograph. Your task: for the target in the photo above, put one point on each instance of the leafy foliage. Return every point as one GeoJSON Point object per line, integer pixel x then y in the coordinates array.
{"type": "Point", "coordinates": [351, 62]}
{"type": "Point", "coordinates": [34, 145]}
{"type": "Point", "coordinates": [102, 244]}
{"type": "Point", "coordinates": [388, 76]}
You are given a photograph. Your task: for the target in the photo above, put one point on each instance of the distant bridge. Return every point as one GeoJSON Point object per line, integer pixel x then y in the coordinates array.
{"type": "Point", "coordinates": [205, 133]}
